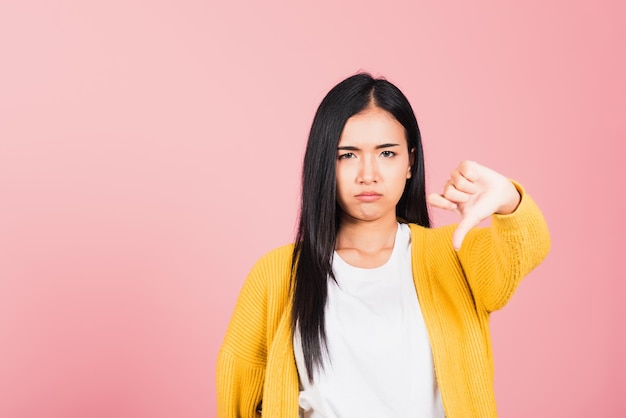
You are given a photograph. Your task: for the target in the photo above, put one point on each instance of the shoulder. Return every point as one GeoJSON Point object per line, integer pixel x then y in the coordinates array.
{"type": "Point", "coordinates": [276, 259]}
{"type": "Point", "coordinates": [273, 268]}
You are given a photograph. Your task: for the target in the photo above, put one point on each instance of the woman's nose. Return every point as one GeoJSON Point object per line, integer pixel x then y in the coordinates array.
{"type": "Point", "coordinates": [368, 171]}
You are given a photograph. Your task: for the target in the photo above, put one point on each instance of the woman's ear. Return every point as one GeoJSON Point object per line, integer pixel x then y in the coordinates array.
{"type": "Point", "coordinates": [411, 161]}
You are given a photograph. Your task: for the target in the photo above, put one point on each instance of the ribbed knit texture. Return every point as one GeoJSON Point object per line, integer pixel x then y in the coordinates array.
{"type": "Point", "coordinates": [456, 290]}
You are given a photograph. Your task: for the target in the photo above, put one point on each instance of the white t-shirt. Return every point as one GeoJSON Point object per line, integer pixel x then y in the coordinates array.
{"type": "Point", "coordinates": [380, 361]}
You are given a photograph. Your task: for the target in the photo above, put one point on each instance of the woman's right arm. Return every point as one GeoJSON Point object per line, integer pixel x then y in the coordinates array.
{"type": "Point", "coordinates": [242, 357]}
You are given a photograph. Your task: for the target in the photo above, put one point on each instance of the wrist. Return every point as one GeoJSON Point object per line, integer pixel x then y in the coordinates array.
{"type": "Point", "coordinates": [512, 202]}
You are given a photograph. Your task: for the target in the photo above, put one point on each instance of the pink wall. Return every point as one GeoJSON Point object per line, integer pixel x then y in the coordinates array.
{"type": "Point", "coordinates": [150, 153]}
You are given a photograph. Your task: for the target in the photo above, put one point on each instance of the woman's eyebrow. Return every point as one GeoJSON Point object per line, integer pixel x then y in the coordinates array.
{"type": "Point", "coordinates": [387, 146]}
{"type": "Point", "coordinates": [352, 148]}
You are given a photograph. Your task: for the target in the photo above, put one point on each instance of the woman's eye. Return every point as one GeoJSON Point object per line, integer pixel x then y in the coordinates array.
{"type": "Point", "coordinates": [346, 155]}
{"type": "Point", "coordinates": [387, 154]}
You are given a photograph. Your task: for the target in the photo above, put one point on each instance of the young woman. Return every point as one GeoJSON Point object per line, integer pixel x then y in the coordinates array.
{"type": "Point", "coordinates": [372, 313]}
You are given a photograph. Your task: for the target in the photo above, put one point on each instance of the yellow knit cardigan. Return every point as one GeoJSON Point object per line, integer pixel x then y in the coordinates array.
{"type": "Point", "coordinates": [256, 369]}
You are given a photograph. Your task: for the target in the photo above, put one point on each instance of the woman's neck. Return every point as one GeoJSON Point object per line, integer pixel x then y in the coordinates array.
{"type": "Point", "coordinates": [366, 244]}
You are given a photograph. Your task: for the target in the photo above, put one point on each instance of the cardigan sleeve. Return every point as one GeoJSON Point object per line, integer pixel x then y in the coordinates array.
{"type": "Point", "coordinates": [242, 356]}
{"type": "Point", "coordinates": [239, 387]}
{"type": "Point", "coordinates": [496, 258]}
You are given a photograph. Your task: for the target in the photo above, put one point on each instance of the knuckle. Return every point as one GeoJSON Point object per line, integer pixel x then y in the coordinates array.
{"type": "Point", "coordinates": [468, 165]}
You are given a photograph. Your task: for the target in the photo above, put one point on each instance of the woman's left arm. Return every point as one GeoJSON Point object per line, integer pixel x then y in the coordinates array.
{"type": "Point", "coordinates": [494, 259]}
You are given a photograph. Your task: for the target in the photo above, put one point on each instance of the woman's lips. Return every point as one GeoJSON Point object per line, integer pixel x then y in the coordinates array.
{"type": "Point", "coordinates": [368, 196]}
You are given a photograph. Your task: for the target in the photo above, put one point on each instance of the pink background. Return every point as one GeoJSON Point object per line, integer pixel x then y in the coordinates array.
{"type": "Point", "coordinates": [150, 152]}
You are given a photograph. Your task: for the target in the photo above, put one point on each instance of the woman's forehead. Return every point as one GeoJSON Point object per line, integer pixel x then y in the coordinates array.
{"type": "Point", "coordinates": [372, 126]}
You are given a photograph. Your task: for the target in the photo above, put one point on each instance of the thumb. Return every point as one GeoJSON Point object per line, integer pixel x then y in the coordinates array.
{"type": "Point", "coordinates": [461, 230]}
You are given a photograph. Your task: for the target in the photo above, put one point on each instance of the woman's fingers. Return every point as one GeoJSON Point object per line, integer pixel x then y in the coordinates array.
{"type": "Point", "coordinates": [469, 170]}
{"type": "Point", "coordinates": [464, 178]}
{"type": "Point", "coordinates": [456, 194]}
{"type": "Point", "coordinates": [441, 202]}
{"type": "Point", "coordinates": [475, 192]}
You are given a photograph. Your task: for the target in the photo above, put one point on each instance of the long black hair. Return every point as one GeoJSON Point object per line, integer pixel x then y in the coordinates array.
{"type": "Point", "coordinates": [319, 213]}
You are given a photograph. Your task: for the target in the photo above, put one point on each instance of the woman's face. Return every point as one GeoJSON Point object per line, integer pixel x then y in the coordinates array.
{"type": "Point", "coordinates": [373, 164]}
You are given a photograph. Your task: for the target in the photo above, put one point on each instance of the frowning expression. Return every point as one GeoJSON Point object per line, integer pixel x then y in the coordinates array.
{"type": "Point", "coordinates": [373, 165]}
